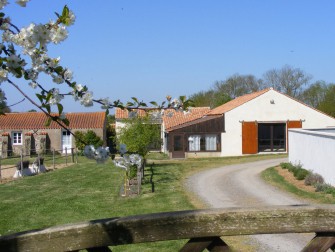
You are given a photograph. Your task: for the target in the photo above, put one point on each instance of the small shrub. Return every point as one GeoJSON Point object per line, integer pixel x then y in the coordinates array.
{"type": "Point", "coordinates": [132, 173]}
{"type": "Point", "coordinates": [286, 165]}
{"type": "Point", "coordinates": [301, 174]}
{"type": "Point", "coordinates": [322, 187]}
{"type": "Point", "coordinates": [313, 179]}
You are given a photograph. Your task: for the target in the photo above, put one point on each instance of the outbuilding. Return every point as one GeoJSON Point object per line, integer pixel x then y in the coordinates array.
{"type": "Point", "coordinates": [253, 123]}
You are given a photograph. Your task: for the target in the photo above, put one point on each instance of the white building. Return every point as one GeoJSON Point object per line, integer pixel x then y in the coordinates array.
{"type": "Point", "coordinates": [250, 124]}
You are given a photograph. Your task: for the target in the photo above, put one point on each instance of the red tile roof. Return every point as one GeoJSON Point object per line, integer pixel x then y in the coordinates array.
{"type": "Point", "coordinates": [174, 118]}
{"type": "Point", "coordinates": [37, 120]}
{"type": "Point", "coordinates": [171, 117]}
{"type": "Point", "coordinates": [236, 102]}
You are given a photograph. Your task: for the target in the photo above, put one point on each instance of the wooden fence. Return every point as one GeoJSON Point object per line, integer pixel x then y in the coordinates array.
{"type": "Point", "coordinates": [9, 164]}
{"type": "Point", "coordinates": [205, 229]}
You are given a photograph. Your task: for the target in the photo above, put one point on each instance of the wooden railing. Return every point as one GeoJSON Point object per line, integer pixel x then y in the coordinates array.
{"type": "Point", "coordinates": [203, 228]}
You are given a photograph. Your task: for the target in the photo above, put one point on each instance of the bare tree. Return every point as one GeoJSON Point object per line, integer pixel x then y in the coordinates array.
{"type": "Point", "coordinates": [288, 80]}
{"type": "Point", "coordinates": [237, 85]}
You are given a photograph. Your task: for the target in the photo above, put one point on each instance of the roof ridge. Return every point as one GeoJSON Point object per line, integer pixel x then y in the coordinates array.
{"type": "Point", "coordinates": [238, 101]}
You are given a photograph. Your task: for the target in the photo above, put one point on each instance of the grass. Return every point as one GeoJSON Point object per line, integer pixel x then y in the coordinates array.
{"type": "Point", "coordinates": [87, 191]}
{"type": "Point", "coordinates": [271, 176]}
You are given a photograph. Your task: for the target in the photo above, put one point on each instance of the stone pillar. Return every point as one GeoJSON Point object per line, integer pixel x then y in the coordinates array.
{"type": "Point", "coordinates": [27, 144]}
{"type": "Point", "coordinates": [4, 145]}
{"type": "Point", "coordinates": [41, 143]}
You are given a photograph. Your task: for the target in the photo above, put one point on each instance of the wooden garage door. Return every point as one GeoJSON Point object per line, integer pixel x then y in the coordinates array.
{"type": "Point", "coordinates": [249, 138]}
{"type": "Point", "coordinates": [294, 124]}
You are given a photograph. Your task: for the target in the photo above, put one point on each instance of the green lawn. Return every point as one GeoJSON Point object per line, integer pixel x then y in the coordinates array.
{"type": "Point", "coordinates": [88, 191]}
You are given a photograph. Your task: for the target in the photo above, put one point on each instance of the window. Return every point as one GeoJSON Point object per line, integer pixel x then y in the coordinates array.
{"type": "Point", "coordinates": [203, 143]}
{"type": "Point", "coordinates": [17, 138]}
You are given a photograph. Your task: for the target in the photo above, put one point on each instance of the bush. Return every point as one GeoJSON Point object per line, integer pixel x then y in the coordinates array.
{"type": "Point", "coordinates": [325, 188]}
{"type": "Point", "coordinates": [286, 165]}
{"type": "Point", "coordinates": [313, 179]}
{"type": "Point", "coordinates": [301, 174]}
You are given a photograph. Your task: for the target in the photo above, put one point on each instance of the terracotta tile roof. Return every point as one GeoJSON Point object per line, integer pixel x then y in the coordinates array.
{"type": "Point", "coordinates": [236, 102]}
{"type": "Point", "coordinates": [124, 113]}
{"type": "Point", "coordinates": [170, 117]}
{"type": "Point", "coordinates": [173, 118]}
{"type": "Point", "coordinates": [37, 120]}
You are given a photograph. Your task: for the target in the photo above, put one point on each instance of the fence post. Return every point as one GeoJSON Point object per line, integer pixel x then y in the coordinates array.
{"type": "Point", "coordinates": [53, 158]}
{"type": "Point", "coordinates": [21, 168]}
{"type": "Point", "coordinates": [72, 155]}
{"type": "Point", "coordinates": [66, 156]}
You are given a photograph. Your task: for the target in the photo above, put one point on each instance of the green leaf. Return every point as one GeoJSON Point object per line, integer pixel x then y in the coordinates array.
{"type": "Point", "coordinates": [40, 97]}
{"type": "Point", "coordinates": [154, 103]}
{"type": "Point", "coordinates": [66, 121]}
{"type": "Point", "coordinates": [134, 99]}
{"type": "Point", "coordinates": [60, 108]}
{"type": "Point", "coordinates": [59, 70]}
{"type": "Point", "coordinates": [107, 112]}
{"type": "Point", "coordinates": [65, 12]}
{"type": "Point", "coordinates": [2, 14]}
{"type": "Point", "coordinates": [48, 122]}
{"type": "Point", "coordinates": [129, 104]}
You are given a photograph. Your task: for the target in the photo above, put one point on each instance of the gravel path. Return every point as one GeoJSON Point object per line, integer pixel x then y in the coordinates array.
{"type": "Point", "coordinates": [241, 186]}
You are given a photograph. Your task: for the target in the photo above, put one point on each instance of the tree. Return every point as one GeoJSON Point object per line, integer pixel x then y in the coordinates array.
{"type": "Point", "coordinates": [87, 138]}
{"type": "Point", "coordinates": [238, 85]}
{"type": "Point", "coordinates": [139, 134]}
{"type": "Point", "coordinates": [328, 104]}
{"type": "Point", "coordinates": [314, 94]}
{"type": "Point", "coordinates": [209, 98]}
{"type": "Point", "coordinates": [3, 104]}
{"type": "Point", "coordinates": [287, 80]}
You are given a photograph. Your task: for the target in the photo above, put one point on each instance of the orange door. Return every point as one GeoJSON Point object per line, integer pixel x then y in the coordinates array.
{"type": "Point", "coordinates": [249, 138]}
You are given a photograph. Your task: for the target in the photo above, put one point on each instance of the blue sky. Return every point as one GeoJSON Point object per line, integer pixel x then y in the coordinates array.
{"type": "Point", "coordinates": [153, 48]}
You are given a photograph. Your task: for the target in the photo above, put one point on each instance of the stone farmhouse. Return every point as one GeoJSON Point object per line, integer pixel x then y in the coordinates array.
{"type": "Point", "coordinates": [27, 132]}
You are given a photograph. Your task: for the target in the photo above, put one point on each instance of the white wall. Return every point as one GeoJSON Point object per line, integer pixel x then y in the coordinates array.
{"type": "Point", "coordinates": [314, 149]}
{"type": "Point", "coordinates": [260, 109]}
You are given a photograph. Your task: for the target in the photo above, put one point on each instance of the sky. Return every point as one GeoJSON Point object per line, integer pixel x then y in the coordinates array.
{"type": "Point", "coordinates": [153, 48]}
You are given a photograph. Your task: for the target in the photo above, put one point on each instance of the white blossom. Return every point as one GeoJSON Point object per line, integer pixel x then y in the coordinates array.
{"type": "Point", "coordinates": [68, 75]}
{"type": "Point", "coordinates": [100, 154]}
{"type": "Point", "coordinates": [22, 3]}
{"type": "Point", "coordinates": [33, 84]}
{"type": "Point", "coordinates": [57, 79]}
{"type": "Point", "coordinates": [87, 99]}
{"type": "Point", "coordinates": [78, 87]}
{"type": "Point", "coordinates": [3, 3]}
{"type": "Point", "coordinates": [14, 61]}
{"type": "Point", "coordinates": [56, 97]}
{"type": "Point", "coordinates": [53, 63]}
{"type": "Point", "coordinates": [105, 103]}
{"type": "Point", "coordinates": [32, 74]}
{"type": "Point", "coordinates": [71, 18]}
{"type": "Point", "coordinates": [58, 34]}
{"type": "Point", "coordinates": [3, 75]}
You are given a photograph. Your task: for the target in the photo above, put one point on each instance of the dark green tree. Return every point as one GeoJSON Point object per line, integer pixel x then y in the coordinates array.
{"type": "Point", "coordinates": [328, 104]}
{"type": "Point", "coordinates": [139, 135]}
{"type": "Point", "coordinates": [314, 94]}
{"type": "Point", "coordinates": [3, 104]}
{"type": "Point", "coordinates": [87, 138]}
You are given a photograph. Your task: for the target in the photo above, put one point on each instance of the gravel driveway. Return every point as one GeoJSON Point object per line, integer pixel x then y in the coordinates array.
{"type": "Point", "coordinates": [241, 186]}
